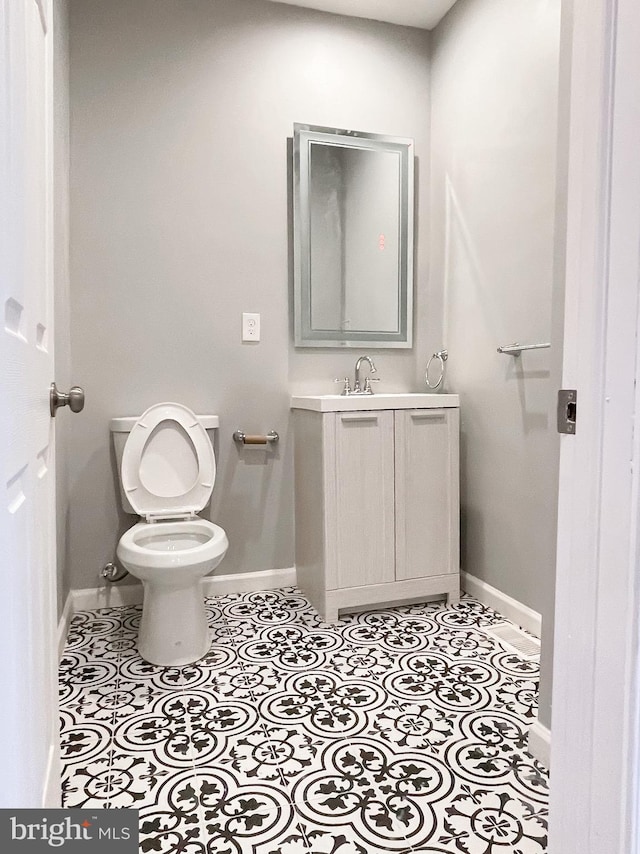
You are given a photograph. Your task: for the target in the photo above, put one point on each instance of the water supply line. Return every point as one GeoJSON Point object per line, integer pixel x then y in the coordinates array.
{"type": "Point", "coordinates": [111, 573]}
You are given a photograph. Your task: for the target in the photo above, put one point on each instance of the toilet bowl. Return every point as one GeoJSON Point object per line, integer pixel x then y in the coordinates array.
{"type": "Point", "coordinates": [167, 471]}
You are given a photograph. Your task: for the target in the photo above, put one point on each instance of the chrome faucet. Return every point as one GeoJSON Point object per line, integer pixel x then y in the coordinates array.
{"type": "Point", "coordinates": [357, 385]}
{"type": "Point", "coordinates": [357, 388]}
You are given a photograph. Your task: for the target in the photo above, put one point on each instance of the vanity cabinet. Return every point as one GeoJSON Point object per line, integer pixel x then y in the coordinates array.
{"type": "Point", "coordinates": [376, 501]}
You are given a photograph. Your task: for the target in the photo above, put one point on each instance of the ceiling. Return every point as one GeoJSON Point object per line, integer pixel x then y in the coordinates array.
{"type": "Point", "coordinates": [424, 14]}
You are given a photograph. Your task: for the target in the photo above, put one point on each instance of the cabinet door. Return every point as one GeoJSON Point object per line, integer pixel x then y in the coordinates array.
{"type": "Point", "coordinates": [427, 492]}
{"type": "Point", "coordinates": [364, 498]}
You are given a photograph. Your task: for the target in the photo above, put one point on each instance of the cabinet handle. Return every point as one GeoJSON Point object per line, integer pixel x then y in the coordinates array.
{"type": "Point", "coordinates": [360, 416]}
{"type": "Point", "coordinates": [427, 415]}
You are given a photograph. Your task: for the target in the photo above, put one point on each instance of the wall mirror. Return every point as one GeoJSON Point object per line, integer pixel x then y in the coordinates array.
{"type": "Point", "coordinates": [353, 238]}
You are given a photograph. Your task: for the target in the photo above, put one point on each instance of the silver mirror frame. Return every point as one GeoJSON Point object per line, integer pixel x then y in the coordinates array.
{"type": "Point", "coordinates": [305, 336]}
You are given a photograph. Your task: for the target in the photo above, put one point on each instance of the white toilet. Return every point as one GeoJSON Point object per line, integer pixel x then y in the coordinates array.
{"type": "Point", "coordinates": [167, 470]}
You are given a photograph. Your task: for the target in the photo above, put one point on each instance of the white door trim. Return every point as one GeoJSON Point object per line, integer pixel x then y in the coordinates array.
{"type": "Point", "coordinates": [593, 805]}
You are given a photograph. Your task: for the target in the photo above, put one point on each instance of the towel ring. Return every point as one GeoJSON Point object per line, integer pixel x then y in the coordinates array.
{"type": "Point", "coordinates": [442, 355]}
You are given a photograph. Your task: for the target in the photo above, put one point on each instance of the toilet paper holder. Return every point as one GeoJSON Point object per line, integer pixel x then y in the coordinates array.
{"type": "Point", "coordinates": [242, 438]}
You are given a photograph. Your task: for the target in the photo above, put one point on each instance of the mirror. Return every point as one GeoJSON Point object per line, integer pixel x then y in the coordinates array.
{"type": "Point", "coordinates": [353, 238]}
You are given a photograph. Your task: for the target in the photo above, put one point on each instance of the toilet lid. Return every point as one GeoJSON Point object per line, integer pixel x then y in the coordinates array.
{"type": "Point", "coordinates": [168, 465]}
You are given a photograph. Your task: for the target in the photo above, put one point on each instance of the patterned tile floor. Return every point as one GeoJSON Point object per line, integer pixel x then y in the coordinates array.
{"type": "Point", "coordinates": [399, 730]}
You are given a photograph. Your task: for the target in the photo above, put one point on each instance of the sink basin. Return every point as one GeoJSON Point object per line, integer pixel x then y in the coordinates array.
{"type": "Point", "coordinates": [350, 403]}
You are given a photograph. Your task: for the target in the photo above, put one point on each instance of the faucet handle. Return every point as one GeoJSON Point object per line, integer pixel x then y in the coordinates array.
{"type": "Point", "coordinates": [367, 384]}
{"type": "Point", "coordinates": [347, 387]}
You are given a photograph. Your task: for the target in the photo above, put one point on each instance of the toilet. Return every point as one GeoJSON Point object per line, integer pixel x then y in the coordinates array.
{"type": "Point", "coordinates": [167, 470]}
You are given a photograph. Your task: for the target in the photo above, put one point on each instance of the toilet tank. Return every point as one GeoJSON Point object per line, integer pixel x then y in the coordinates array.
{"type": "Point", "coordinates": [120, 429]}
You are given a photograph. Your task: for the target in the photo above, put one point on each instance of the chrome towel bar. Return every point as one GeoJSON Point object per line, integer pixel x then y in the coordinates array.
{"type": "Point", "coordinates": [242, 438]}
{"type": "Point", "coordinates": [516, 349]}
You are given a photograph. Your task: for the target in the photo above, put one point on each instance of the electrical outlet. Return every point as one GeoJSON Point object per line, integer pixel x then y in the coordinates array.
{"type": "Point", "coordinates": [250, 327]}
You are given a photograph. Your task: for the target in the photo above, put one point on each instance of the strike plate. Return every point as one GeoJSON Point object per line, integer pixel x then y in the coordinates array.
{"type": "Point", "coordinates": [567, 410]}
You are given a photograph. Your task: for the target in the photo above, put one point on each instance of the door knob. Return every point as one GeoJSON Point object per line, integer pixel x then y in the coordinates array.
{"type": "Point", "coordinates": [74, 399]}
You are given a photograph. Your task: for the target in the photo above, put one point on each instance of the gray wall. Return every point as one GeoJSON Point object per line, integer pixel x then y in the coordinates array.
{"type": "Point", "coordinates": [179, 222]}
{"type": "Point", "coordinates": [494, 138]}
{"type": "Point", "coordinates": [62, 348]}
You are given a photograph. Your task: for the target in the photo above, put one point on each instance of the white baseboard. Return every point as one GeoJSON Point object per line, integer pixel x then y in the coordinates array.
{"type": "Point", "coordinates": [109, 596]}
{"type": "Point", "coordinates": [247, 582]}
{"type": "Point", "coordinates": [520, 614]}
{"type": "Point", "coordinates": [63, 624]}
{"type": "Point", "coordinates": [539, 740]}
{"type": "Point", "coordinates": [540, 743]}
{"type": "Point", "coordinates": [116, 595]}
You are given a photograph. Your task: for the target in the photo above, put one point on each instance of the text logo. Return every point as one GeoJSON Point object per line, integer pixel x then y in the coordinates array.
{"type": "Point", "coordinates": [31, 831]}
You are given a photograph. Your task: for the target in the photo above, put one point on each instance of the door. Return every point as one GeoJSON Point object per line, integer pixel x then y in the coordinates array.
{"type": "Point", "coordinates": [28, 716]}
{"type": "Point", "coordinates": [364, 498]}
{"type": "Point", "coordinates": [427, 493]}
{"type": "Point", "coordinates": [595, 725]}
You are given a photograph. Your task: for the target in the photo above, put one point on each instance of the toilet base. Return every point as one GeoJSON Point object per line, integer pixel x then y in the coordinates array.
{"type": "Point", "coordinates": [174, 630]}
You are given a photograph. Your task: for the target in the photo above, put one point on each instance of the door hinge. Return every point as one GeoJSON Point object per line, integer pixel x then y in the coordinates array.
{"type": "Point", "coordinates": [567, 410]}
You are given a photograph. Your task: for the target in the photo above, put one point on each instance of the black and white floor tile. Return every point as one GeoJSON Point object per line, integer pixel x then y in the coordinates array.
{"type": "Point", "coordinates": [400, 730]}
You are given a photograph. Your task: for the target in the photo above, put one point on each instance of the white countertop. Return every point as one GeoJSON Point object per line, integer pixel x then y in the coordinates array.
{"type": "Point", "coordinates": [350, 403]}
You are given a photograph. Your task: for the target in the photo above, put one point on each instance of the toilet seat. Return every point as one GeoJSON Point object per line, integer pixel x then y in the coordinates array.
{"type": "Point", "coordinates": [168, 498]}
{"type": "Point", "coordinates": [136, 546]}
